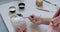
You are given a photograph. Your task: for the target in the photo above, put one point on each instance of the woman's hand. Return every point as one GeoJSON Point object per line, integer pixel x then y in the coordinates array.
{"type": "Point", "coordinates": [57, 13]}
{"type": "Point", "coordinates": [54, 25]}
{"type": "Point", "coordinates": [19, 30]}
{"type": "Point", "coordinates": [21, 27]}
{"type": "Point", "coordinates": [39, 20]}
{"type": "Point", "coordinates": [35, 19]}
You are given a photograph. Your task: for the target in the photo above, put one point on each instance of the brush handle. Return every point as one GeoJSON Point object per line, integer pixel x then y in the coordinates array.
{"type": "Point", "coordinates": [44, 10]}
{"type": "Point", "coordinates": [25, 17]}
{"type": "Point", "coordinates": [50, 2]}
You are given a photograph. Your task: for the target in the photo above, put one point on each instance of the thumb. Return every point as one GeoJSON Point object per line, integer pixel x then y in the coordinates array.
{"type": "Point", "coordinates": [19, 30]}
{"type": "Point", "coordinates": [57, 13]}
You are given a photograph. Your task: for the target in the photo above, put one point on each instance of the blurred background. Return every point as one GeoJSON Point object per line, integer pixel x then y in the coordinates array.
{"type": "Point", "coordinates": [5, 1]}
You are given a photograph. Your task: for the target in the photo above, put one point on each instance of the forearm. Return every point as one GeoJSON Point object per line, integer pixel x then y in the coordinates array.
{"type": "Point", "coordinates": [46, 21]}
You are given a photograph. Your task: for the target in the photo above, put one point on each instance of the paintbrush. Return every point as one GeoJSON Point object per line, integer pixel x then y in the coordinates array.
{"type": "Point", "coordinates": [50, 2]}
{"type": "Point", "coordinates": [44, 10]}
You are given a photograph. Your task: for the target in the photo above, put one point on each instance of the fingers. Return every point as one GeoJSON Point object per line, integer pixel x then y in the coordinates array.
{"type": "Point", "coordinates": [19, 30]}
{"type": "Point", "coordinates": [31, 17]}
{"type": "Point", "coordinates": [25, 30]}
{"type": "Point", "coordinates": [56, 18]}
{"type": "Point", "coordinates": [55, 21]}
{"type": "Point", "coordinates": [57, 13]}
{"type": "Point", "coordinates": [21, 27]}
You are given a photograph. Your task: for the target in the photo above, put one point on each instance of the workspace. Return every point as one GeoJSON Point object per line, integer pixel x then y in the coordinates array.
{"type": "Point", "coordinates": [30, 8]}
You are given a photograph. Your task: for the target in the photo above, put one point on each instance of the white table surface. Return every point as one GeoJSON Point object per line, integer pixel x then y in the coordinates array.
{"type": "Point", "coordinates": [30, 8]}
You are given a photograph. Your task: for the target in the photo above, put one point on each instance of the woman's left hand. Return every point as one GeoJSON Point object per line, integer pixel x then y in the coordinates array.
{"type": "Point", "coordinates": [56, 23]}
{"type": "Point", "coordinates": [54, 26]}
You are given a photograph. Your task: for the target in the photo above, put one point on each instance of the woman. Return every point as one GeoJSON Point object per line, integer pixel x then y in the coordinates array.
{"type": "Point", "coordinates": [54, 22]}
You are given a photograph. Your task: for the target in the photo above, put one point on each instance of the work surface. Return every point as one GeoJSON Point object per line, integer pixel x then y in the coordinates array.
{"type": "Point", "coordinates": [30, 8]}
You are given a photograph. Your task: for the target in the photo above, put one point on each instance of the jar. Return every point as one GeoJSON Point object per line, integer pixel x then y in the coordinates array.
{"type": "Point", "coordinates": [39, 3]}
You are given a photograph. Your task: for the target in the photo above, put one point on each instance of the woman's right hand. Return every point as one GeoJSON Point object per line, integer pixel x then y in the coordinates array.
{"type": "Point", "coordinates": [35, 19]}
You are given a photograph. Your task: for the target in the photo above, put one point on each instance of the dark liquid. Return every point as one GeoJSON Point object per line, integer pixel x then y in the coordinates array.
{"type": "Point", "coordinates": [12, 11]}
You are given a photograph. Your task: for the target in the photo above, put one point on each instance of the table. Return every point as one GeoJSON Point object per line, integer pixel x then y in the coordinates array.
{"type": "Point", "coordinates": [30, 8]}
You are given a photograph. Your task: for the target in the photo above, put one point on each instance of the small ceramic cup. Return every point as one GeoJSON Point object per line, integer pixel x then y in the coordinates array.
{"type": "Point", "coordinates": [21, 5]}
{"type": "Point", "coordinates": [12, 9]}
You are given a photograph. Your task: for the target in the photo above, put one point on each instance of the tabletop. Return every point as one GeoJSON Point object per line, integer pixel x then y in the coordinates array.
{"type": "Point", "coordinates": [30, 8]}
